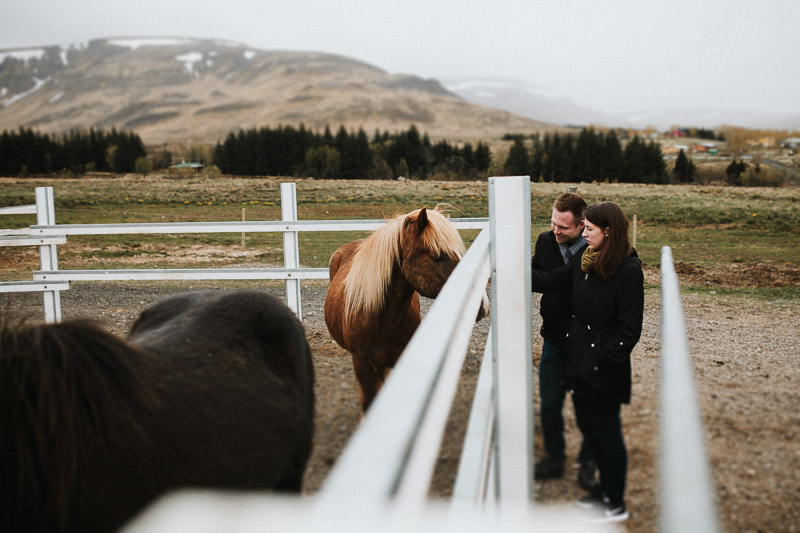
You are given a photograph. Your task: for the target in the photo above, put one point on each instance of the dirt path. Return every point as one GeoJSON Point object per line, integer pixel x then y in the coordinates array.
{"type": "Point", "coordinates": [745, 358]}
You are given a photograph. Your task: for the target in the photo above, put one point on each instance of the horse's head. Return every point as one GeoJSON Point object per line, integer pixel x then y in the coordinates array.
{"type": "Point", "coordinates": [430, 248]}
{"type": "Point", "coordinates": [425, 245]}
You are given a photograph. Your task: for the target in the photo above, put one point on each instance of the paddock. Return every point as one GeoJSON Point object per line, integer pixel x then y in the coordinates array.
{"type": "Point", "coordinates": [466, 364]}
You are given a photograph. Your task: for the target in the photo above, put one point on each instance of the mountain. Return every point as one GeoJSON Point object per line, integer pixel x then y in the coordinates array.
{"type": "Point", "coordinates": [529, 100]}
{"type": "Point", "coordinates": [196, 90]}
{"type": "Point", "coordinates": [705, 117]}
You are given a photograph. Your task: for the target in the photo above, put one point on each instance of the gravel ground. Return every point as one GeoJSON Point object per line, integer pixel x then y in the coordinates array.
{"type": "Point", "coordinates": [745, 354]}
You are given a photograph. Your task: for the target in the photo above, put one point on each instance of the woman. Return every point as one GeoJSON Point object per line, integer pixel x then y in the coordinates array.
{"type": "Point", "coordinates": [608, 304]}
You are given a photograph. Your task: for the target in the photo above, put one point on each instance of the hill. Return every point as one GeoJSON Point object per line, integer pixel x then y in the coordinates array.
{"type": "Point", "coordinates": [533, 101]}
{"type": "Point", "coordinates": [527, 100]}
{"type": "Point", "coordinates": [194, 90]}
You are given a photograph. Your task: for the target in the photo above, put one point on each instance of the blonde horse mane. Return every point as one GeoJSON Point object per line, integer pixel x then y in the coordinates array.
{"type": "Point", "coordinates": [367, 283]}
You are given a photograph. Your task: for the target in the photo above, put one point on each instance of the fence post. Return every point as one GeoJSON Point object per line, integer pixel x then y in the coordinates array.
{"type": "Point", "coordinates": [687, 502]}
{"type": "Point", "coordinates": [48, 253]}
{"type": "Point", "coordinates": [244, 218]}
{"type": "Point", "coordinates": [510, 226]}
{"type": "Point", "coordinates": [291, 248]}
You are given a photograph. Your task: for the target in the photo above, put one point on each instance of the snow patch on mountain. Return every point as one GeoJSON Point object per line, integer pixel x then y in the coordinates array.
{"type": "Point", "coordinates": [135, 43]}
{"type": "Point", "coordinates": [23, 55]}
{"type": "Point", "coordinates": [189, 59]}
{"type": "Point", "coordinates": [37, 84]}
{"type": "Point", "coordinates": [492, 87]}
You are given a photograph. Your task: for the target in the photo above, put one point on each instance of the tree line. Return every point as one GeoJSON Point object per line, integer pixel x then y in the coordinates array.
{"type": "Point", "coordinates": [290, 151]}
{"type": "Point", "coordinates": [26, 151]}
{"type": "Point", "coordinates": [588, 156]}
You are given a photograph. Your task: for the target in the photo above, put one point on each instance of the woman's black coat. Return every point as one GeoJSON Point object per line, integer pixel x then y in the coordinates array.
{"type": "Point", "coordinates": [606, 325]}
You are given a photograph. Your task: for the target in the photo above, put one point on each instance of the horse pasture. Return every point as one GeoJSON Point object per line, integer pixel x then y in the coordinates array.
{"type": "Point", "coordinates": [737, 253]}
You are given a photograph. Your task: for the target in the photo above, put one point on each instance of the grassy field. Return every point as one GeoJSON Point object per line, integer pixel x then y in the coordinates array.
{"type": "Point", "coordinates": [707, 227]}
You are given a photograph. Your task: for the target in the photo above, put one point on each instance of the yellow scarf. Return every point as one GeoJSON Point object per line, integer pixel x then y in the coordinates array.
{"type": "Point", "coordinates": [587, 259]}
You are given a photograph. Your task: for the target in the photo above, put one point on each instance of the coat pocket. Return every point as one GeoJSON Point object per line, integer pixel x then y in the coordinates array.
{"type": "Point", "coordinates": [583, 364]}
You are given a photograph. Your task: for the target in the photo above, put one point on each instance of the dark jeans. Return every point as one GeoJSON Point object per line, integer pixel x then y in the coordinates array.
{"type": "Point", "coordinates": [602, 430]}
{"type": "Point", "coordinates": [551, 393]}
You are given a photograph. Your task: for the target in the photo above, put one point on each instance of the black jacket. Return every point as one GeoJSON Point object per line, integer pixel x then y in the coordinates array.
{"type": "Point", "coordinates": [555, 307]}
{"type": "Point", "coordinates": [606, 325]}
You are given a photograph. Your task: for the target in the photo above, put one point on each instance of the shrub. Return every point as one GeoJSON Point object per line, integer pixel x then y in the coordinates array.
{"type": "Point", "coordinates": [143, 166]}
{"type": "Point", "coordinates": [213, 171]}
{"type": "Point", "coordinates": [759, 176]}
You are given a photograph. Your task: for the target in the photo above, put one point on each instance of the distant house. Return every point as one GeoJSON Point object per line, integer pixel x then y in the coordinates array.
{"type": "Point", "coordinates": [674, 149]}
{"type": "Point", "coordinates": [704, 148]}
{"type": "Point", "coordinates": [764, 142]}
{"type": "Point", "coordinates": [677, 133]}
{"type": "Point", "coordinates": [791, 142]}
{"type": "Point", "coordinates": [186, 167]}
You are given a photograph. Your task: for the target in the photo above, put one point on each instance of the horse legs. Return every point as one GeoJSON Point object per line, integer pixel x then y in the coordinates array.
{"type": "Point", "coordinates": [370, 379]}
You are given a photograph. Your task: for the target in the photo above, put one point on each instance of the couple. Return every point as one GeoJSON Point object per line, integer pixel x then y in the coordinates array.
{"type": "Point", "coordinates": [592, 310]}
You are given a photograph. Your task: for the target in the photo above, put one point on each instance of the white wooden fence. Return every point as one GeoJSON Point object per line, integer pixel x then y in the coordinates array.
{"type": "Point", "coordinates": [687, 492]}
{"type": "Point", "coordinates": [47, 234]}
{"type": "Point", "coordinates": [44, 209]}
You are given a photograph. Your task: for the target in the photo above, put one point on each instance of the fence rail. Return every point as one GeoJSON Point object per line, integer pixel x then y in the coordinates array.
{"type": "Point", "coordinates": [33, 286]}
{"type": "Point", "coordinates": [18, 209]}
{"type": "Point", "coordinates": [253, 226]}
{"type": "Point", "coordinates": [687, 493]}
{"type": "Point", "coordinates": [140, 274]}
{"type": "Point", "coordinates": [47, 234]}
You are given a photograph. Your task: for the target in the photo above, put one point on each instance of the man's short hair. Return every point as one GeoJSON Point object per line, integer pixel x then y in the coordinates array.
{"type": "Point", "coordinates": [573, 202]}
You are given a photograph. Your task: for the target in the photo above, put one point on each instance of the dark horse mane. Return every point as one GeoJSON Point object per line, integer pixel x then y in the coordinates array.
{"type": "Point", "coordinates": [210, 390]}
{"type": "Point", "coordinates": [45, 378]}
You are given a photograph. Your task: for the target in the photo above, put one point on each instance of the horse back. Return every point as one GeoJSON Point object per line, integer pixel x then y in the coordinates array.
{"type": "Point", "coordinates": [342, 256]}
{"type": "Point", "coordinates": [250, 325]}
{"type": "Point", "coordinates": [238, 374]}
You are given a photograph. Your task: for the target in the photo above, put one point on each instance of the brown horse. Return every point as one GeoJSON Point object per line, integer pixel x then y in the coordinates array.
{"type": "Point", "coordinates": [372, 305]}
{"type": "Point", "coordinates": [211, 389]}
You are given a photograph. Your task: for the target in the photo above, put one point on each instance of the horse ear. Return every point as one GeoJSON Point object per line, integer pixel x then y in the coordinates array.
{"type": "Point", "coordinates": [438, 208]}
{"type": "Point", "coordinates": [422, 219]}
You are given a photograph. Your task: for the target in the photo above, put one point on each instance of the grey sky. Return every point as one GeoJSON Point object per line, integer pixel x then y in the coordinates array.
{"type": "Point", "coordinates": [612, 55]}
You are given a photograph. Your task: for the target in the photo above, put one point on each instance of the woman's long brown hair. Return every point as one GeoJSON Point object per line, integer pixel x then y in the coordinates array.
{"type": "Point", "coordinates": [616, 246]}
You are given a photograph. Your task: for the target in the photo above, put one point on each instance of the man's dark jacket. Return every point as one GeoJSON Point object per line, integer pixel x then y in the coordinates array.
{"type": "Point", "coordinates": [555, 307]}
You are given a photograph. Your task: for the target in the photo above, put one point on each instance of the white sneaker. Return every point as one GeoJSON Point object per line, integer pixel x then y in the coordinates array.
{"type": "Point", "coordinates": [610, 515]}
{"type": "Point", "coordinates": [592, 500]}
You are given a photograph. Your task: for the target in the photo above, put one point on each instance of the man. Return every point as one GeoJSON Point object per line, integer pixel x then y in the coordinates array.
{"type": "Point", "coordinates": [555, 248]}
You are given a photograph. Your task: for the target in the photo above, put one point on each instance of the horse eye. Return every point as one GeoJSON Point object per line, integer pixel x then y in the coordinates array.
{"type": "Point", "coordinates": [439, 258]}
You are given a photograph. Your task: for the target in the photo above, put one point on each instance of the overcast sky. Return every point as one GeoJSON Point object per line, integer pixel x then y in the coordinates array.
{"type": "Point", "coordinates": [611, 55]}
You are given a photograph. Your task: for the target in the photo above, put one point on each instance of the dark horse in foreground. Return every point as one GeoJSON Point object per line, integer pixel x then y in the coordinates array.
{"type": "Point", "coordinates": [372, 304]}
{"type": "Point", "coordinates": [211, 389]}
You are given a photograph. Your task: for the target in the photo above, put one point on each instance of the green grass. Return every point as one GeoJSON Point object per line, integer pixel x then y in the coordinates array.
{"type": "Point", "coordinates": [707, 246]}
{"type": "Point", "coordinates": [705, 226]}
{"type": "Point", "coordinates": [771, 294]}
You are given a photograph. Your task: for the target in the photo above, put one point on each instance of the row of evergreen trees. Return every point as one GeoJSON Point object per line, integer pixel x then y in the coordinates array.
{"type": "Point", "coordinates": [28, 152]}
{"type": "Point", "coordinates": [289, 151]}
{"type": "Point", "coordinates": [589, 156]}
